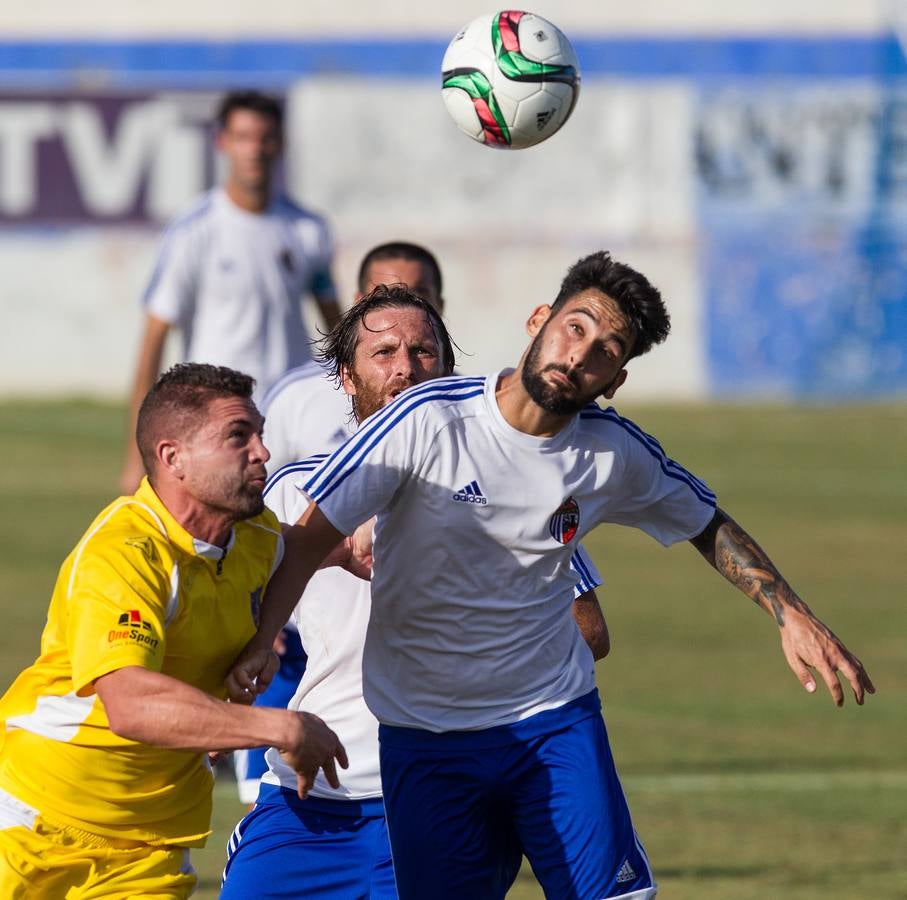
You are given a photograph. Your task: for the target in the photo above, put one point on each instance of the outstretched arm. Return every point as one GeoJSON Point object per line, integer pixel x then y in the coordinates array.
{"type": "Point", "coordinates": [148, 706]}
{"type": "Point", "coordinates": [807, 643]}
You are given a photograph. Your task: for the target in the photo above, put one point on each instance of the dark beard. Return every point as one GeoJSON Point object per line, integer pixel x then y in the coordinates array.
{"type": "Point", "coordinates": [245, 503]}
{"type": "Point", "coordinates": [367, 402]}
{"type": "Point", "coordinates": [250, 506]}
{"type": "Point", "coordinates": [551, 398]}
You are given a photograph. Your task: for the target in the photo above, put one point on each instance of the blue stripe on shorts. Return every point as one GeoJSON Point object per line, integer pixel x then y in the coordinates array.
{"type": "Point", "coordinates": [316, 848]}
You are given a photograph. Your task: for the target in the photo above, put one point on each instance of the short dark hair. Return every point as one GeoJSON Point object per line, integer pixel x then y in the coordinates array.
{"type": "Point", "coordinates": [264, 104]}
{"type": "Point", "coordinates": [638, 299]}
{"type": "Point", "coordinates": [400, 250]}
{"type": "Point", "coordinates": [173, 405]}
{"type": "Point", "coordinates": [337, 349]}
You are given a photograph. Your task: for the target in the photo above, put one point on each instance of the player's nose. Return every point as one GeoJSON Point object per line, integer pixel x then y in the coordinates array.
{"type": "Point", "coordinates": [258, 451]}
{"type": "Point", "coordinates": [405, 363]}
{"type": "Point", "coordinates": [582, 355]}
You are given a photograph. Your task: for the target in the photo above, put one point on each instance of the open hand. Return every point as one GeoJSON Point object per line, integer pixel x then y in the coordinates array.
{"type": "Point", "coordinates": [809, 644]}
{"type": "Point", "coordinates": [315, 747]}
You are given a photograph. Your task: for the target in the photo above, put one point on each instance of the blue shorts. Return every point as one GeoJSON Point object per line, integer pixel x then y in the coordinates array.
{"type": "Point", "coordinates": [463, 807]}
{"type": "Point", "coordinates": [329, 849]}
{"type": "Point", "coordinates": [250, 765]}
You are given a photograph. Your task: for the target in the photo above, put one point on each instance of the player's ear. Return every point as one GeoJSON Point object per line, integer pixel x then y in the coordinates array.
{"type": "Point", "coordinates": [346, 381]}
{"type": "Point", "coordinates": [537, 319]}
{"type": "Point", "coordinates": [612, 388]}
{"type": "Point", "coordinates": [169, 458]}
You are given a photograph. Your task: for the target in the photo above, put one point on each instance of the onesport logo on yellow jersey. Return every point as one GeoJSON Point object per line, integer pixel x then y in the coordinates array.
{"type": "Point", "coordinates": [132, 628]}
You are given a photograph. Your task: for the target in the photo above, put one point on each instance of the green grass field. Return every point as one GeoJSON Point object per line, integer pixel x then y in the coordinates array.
{"type": "Point", "coordinates": [742, 785]}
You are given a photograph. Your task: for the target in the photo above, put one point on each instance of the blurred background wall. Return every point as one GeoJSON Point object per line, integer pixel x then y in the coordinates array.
{"type": "Point", "coordinates": [750, 158]}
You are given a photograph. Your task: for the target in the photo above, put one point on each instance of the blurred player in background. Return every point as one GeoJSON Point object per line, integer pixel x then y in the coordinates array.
{"type": "Point", "coordinates": [334, 844]}
{"type": "Point", "coordinates": [232, 271]}
{"type": "Point", "coordinates": [309, 394]}
{"type": "Point", "coordinates": [307, 413]}
{"type": "Point", "coordinates": [491, 739]}
{"type": "Point", "coordinates": [104, 781]}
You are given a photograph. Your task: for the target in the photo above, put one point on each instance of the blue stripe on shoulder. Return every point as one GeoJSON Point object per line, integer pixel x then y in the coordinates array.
{"type": "Point", "coordinates": [309, 464]}
{"type": "Point", "coordinates": [671, 468]}
{"type": "Point", "coordinates": [373, 422]}
{"type": "Point", "coordinates": [198, 211]}
{"type": "Point", "coordinates": [349, 456]}
{"type": "Point", "coordinates": [589, 581]}
{"type": "Point", "coordinates": [586, 581]}
{"type": "Point", "coordinates": [655, 445]}
{"type": "Point", "coordinates": [306, 370]}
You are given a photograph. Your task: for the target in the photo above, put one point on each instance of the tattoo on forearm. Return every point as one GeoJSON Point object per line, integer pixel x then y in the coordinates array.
{"type": "Point", "coordinates": [743, 562]}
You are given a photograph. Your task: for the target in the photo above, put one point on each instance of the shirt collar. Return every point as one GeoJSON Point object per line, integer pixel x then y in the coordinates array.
{"type": "Point", "coordinates": [175, 532]}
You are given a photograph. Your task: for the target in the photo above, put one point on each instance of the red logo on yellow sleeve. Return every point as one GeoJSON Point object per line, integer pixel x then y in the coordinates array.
{"type": "Point", "coordinates": [132, 628]}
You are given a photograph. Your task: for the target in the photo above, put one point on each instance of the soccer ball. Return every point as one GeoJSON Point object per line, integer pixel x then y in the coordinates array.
{"type": "Point", "coordinates": [510, 79]}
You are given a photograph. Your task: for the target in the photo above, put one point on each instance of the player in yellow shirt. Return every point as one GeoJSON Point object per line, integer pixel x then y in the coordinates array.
{"type": "Point", "coordinates": [104, 783]}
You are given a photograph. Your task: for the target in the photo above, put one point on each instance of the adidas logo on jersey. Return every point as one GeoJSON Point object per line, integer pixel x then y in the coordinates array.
{"type": "Point", "coordinates": [626, 873]}
{"type": "Point", "coordinates": [472, 493]}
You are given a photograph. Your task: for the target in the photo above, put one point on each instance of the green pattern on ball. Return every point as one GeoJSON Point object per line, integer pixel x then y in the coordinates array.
{"type": "Point", "coordinates": [478, 87]}
{"type": "Point", "coordinates": [515, 66]}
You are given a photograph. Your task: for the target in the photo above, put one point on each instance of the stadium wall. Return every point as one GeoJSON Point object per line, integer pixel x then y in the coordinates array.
{"type": "Point", "coordinates": [758, 179]}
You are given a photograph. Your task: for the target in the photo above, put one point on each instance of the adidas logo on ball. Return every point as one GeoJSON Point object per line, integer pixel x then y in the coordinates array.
{"type": "Point", "coordinates": [543, 118]}
{"type": "Point", "coordinates": [510, 79]}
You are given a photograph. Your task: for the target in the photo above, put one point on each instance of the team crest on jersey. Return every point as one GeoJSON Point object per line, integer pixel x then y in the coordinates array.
{"type": "Point", "coordinates": [255, 603]}
{"type": "Point", "coordinates": [286, 260]}
{"type": "Point", "coordinates": [145, 544]}
{"type": "Point", "coordinates": [564, 524]}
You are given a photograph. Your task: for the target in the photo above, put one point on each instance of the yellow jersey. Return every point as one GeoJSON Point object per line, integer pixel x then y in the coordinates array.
{"type": "Point", "coordinates": [137, 590]}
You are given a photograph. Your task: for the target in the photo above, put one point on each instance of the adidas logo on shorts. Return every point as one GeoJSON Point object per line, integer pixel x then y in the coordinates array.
{"type": "Point", "coordinates": [626, 873]}
{"type": "Point", "coordinates": [472, 493]}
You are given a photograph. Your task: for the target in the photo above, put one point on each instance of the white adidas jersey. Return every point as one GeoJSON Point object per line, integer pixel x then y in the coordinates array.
{"type": "Point", "coordinates": [332, 617]}
{"type": "Point", "coordinates": [470, 625]}
{"type": "Point", "coordinates": [233, 282]}
{"type": "Point", "coordinates": [305, 413]}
